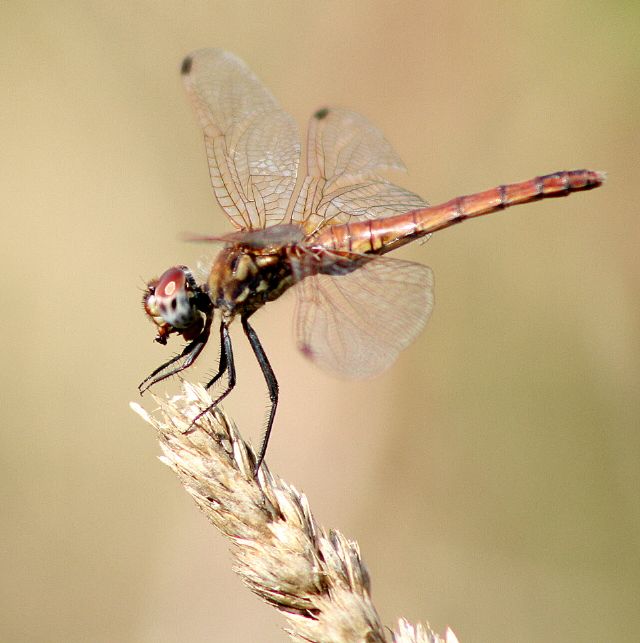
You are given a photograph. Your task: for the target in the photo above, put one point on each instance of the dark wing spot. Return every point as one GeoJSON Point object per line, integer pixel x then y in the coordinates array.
{"type": "Point", "coordinates": [174, 304]}
{"type": "Point", "coordinates": [186, 66]}
{"type": "Point", "coordinates": [321, 113]}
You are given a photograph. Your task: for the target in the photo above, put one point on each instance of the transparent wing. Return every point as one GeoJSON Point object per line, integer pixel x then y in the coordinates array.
{"type": "Point", "coordinates": [356, 324]}
{"type": "Point", "coordinates": [345, 154]}
{"type": "Point", "coordinates": [272, 237]}
{"type": "Point", "coordinates": [251, 143]}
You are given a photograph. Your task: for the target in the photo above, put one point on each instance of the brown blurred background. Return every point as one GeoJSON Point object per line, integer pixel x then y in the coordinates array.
{"type": "Point", "coordinates": [491, 477]}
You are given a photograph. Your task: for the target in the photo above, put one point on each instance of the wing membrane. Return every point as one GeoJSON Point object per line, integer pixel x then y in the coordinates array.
{"type": "Point", "coordinates": [252, 145]}
{"type": "Point", "coordinates": [356, 324]}
{"type": "Point", "coordinates": [345, 154]}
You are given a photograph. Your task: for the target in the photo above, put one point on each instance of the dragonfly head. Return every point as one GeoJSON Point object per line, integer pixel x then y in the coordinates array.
{"type": "Point", "coordinates": [175, 303]}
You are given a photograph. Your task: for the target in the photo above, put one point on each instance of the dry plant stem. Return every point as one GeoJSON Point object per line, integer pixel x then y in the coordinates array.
{"type": "Point", "coordinates": [316, 579]}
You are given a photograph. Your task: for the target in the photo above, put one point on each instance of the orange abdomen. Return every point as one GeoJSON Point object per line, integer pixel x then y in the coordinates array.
{"type": "Point", "coordinates": [378, 236]}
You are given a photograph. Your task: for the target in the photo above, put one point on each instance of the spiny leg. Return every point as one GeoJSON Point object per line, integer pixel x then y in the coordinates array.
{"type": "Point", "coordinates": [272, 385]}
{"type": "Point", "coordinates": [226, 365]}
{"type": "Point", "coordinates": [188, 355]}
{"type": "Point", "coordinates": [223, 362]}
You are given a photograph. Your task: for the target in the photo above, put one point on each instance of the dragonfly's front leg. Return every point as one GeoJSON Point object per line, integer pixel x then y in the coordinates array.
{"type": "Point", "coordinates": [184, 359]}
{"type": "Point", "coordinates": [272, 385]}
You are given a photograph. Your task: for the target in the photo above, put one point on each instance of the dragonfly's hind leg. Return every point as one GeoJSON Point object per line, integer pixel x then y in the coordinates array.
{"type": "Point", "coordinates": [272, 385]}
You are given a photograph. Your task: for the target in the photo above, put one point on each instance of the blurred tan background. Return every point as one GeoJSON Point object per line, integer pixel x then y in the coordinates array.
{"type": "Point", "coordinates": [491, 477]}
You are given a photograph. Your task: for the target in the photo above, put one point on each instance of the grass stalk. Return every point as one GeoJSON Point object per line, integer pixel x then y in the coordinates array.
{"type": "Point", "coordinates": [315, 578]}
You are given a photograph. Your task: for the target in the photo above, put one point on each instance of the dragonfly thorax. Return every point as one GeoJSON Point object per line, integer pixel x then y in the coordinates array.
{"type": "Point", "coordinates": [243, 279]}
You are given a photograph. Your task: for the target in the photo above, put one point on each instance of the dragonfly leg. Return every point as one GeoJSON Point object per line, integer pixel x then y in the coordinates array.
{"type": "Point", "coordinates": [272, 385]}
{"type": "Point", "coordinates": [226, 365]}
{"type": "Point", "coordinates": [223, 363]}
{"type": "Point", "coordinates": [183, 360]}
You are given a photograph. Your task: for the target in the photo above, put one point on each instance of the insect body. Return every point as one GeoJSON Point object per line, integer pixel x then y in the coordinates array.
{"type": "Point", "coordinates": [327, 237]}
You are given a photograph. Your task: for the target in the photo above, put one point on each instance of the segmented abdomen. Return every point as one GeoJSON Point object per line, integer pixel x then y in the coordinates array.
{"type": "Point", "coordinates": [381, 235]}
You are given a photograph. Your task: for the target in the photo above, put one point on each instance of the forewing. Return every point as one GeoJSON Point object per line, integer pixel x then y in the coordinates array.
{"type": "Point", "coordinates": [356, 324]}
{"type": "Point", "coordinates": [251, 143]}
{"type": "Point", "coordinates": [345, 154]}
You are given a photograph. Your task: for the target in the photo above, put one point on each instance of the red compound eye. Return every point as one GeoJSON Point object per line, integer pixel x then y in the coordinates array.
{"type": "Point", "coordinates": [171, 283]}
{"type": "Point", "coordinates": [172, 299]}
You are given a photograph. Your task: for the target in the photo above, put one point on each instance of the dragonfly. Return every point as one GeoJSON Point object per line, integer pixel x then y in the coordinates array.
{"type": "Point", "coordinates": [326, 236]}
